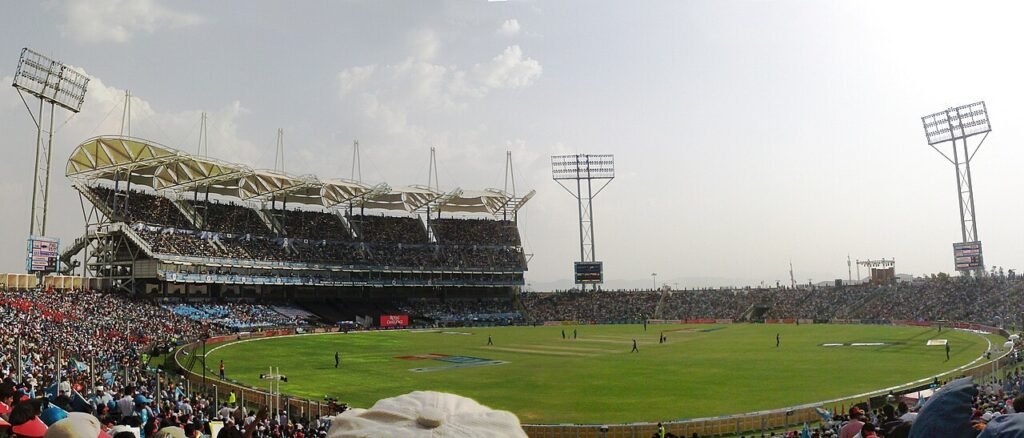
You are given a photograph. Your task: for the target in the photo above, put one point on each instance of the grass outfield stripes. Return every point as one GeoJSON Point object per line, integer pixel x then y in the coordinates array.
{"type": "Point", "coordinates": [595, 378]}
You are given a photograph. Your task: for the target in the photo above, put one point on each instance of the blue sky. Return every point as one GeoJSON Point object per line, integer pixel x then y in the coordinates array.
{"type": "Point", "coordinates": [746, 133]}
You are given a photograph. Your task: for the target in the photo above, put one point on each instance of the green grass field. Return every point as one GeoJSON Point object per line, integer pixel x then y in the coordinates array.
{"type": "Point", "coordinates": [730, 368]}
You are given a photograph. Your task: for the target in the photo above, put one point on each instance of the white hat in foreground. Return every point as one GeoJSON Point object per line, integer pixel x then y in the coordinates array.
{"type": "Point", "coordinates": [426, 414]}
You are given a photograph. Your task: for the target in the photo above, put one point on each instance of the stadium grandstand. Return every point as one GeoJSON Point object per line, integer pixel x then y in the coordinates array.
{"type": "Point", "coordinates": [167, 223]}
{"type": "Point", "coordinates": [206, 252]}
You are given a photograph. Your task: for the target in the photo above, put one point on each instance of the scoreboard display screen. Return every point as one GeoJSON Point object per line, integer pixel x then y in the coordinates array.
{"type": "Point", "coordinates": [589, 272]}
{"type": "Point", "coordinates": [967, 256]}
{"type": "Point", "coordinates": [42, 254]}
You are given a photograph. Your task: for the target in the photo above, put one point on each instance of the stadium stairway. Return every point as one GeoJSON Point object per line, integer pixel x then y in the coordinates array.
{"type": "Point", "coordinates": [325, 310]}
{"type": "Point", "coordinates": [425, 221]}
{"type": "Point", "coordinates": [517, 304]}
{"type": "Point", "coordinates": [81, 242]}
{"type": "Point", "coordinates": [70, 252]}
{"type": "Point", "coordinates": [190, 213]}
{"type": "Point", "coordinates": [344, 222]}
{"type": "Point", "coordinates": [270, 221]}
{"type": "Point", "coordinates": [754, 312]}
{"type": "Point", "coordinates": [659, 309]}
{"type": "Point", "coordinates": [98, 203]}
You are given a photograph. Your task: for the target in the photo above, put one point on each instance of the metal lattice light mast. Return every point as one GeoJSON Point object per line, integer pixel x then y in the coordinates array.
{"type": "Point", "coordinates": [585, 169]}
{"type": "Point", "coordinates": [959, 125]}
{"type": "Point", "coordinates": [55, 84]}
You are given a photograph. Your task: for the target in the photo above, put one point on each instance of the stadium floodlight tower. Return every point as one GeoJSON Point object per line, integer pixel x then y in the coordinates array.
{"type": "Point", "coordinates": [959, 125]}
{"type": "Point", "coordinates": [585, 169]}
{"type": "Point", "coordinates": [55, 84]}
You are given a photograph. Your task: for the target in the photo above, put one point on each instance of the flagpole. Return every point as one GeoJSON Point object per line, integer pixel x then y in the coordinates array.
{"type": "Point", "coordinates": [92, 373]}
{"type": "Point", "coordinates": [21, 366]}
{"type": "Point", "coordinates": [58, 369]}
{"type": "Point", "coordinates": [158, 388]}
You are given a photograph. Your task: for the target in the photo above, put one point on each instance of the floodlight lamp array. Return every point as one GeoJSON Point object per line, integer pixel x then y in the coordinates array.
{"type": "Point", "coordinates": [50, 80]}
{"type": "Point", "coordinates": [583, 166]}
{"type": "Point", "coordinates": [956, 123]}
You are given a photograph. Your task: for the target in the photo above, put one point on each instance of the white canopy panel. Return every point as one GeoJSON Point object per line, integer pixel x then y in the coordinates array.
{"type": "Point", "coordinates": [120, 158]}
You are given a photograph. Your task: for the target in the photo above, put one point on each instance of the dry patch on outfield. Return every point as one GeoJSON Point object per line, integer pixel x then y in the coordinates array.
{"type": "Point", "coordinates": [610, 341]}
{"type": "Point", "coordinates": [534, 351]}
{"type": "Point", "coordinates": [627, 342]}
{"type": "Point", "coordinates": [561, 347]}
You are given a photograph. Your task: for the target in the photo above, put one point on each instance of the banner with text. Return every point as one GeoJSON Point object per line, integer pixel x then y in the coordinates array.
{"type": "Point", "coordinates": [394, 320]}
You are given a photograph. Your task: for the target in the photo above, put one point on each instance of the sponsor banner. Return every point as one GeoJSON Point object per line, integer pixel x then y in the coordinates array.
{"type": "Point", "coordinates": [805, 321]}
{"type": "Point", "coordinates": [699, 321]}
{"type": "Point", "coordinates": [846, 321]}
{"type": "Point", "coordinates": [552, 323]}
{"type": "Point", "coordinates": [394, 320]}
{"type": "Point", "coordinates": [664, 321]}
{"type": "Point", "coordinates": [913, 323]}
{"type": "Point", "coordinates": [875, 321]}
{"type": "Point", "coordinates": [723, 321]}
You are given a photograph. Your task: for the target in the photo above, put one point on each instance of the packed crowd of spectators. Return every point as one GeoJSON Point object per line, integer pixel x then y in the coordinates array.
{"type": "Point", "coordinates": [389, 229]}
{"type": "Point", "coordinates": [958, 409]}
{"type": "Point", "coordinates": [229, 218]}
{"type": "Point", "coordinates": [993, 300]}
{"type": "Point", "coordinates": [591, 306]}
{"type": "Point", "coordinates": [333, 252]}
{"type": "Point", "coordinates": [135, 206]}
{"type": "Point", "coordinates": [475, 232]}
{"type": "Point", "coordinates": [104, 341]}
{"type": "Point", "coordinates": [169, 242]}
{"type": "Point", "coordinates": [234, 231]}
{"type": "Point", "coordinates": [493, 310]}
{"type": "Point", "coordinates": [313, 225]}
{"type": "Point", "coordinates": [234, 315]}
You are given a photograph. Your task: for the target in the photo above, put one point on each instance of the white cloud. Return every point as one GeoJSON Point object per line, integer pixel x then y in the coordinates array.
{"type": "Point", "coordinates": [508, 70]}
{"type": "Point", "coordinates": [398, 91]}
{"type": "Point", "coordinates": [425, 44]}
{"type": "Point", "coordinates": [98, 21]}
{"type": "Point", "coordinates": [509, 28]}
{"type": "Point", "coordinates": [400, 108]}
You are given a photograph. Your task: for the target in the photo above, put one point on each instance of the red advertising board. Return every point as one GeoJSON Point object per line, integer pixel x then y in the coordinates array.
{"type": "Point", "coordinates": [394, 320]}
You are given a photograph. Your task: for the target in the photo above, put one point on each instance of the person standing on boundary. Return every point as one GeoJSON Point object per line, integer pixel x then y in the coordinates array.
{"type": "Point", "coordinates": [574, 333]}
{"type": "Point", "coordinates": [489, 340]}
{"type": "Point", "coordinates": [563, 333]}
{"type": "Point", "coordinates": [947, 350]}
{"type": "Point", "coordinates": [777, 340]}
{"type": "Point", "coordinates": [222, 369]}
{"type": "Point", "coordinates": [645, 324]}
{"type": "Point", "coordinates": [635, 350]}
{"type": "Point", "coordinates": [337, 359]}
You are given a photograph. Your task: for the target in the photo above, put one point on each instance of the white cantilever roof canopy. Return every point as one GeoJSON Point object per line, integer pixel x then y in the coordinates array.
{"type": "Point", "coordinates": [119, 158]}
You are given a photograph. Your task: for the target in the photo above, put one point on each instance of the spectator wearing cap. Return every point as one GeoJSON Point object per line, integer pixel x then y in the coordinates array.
{"type": "Point", "coordinates": [77, 425]}
{"type": "Point", "coordinates": [852, 428]}
{"type": "Point", "coordinates": [101, 400]}
{"type": "Point", "coordinates": [426, 413]}
{"type": "Point", "coordinates": [170, 432]}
